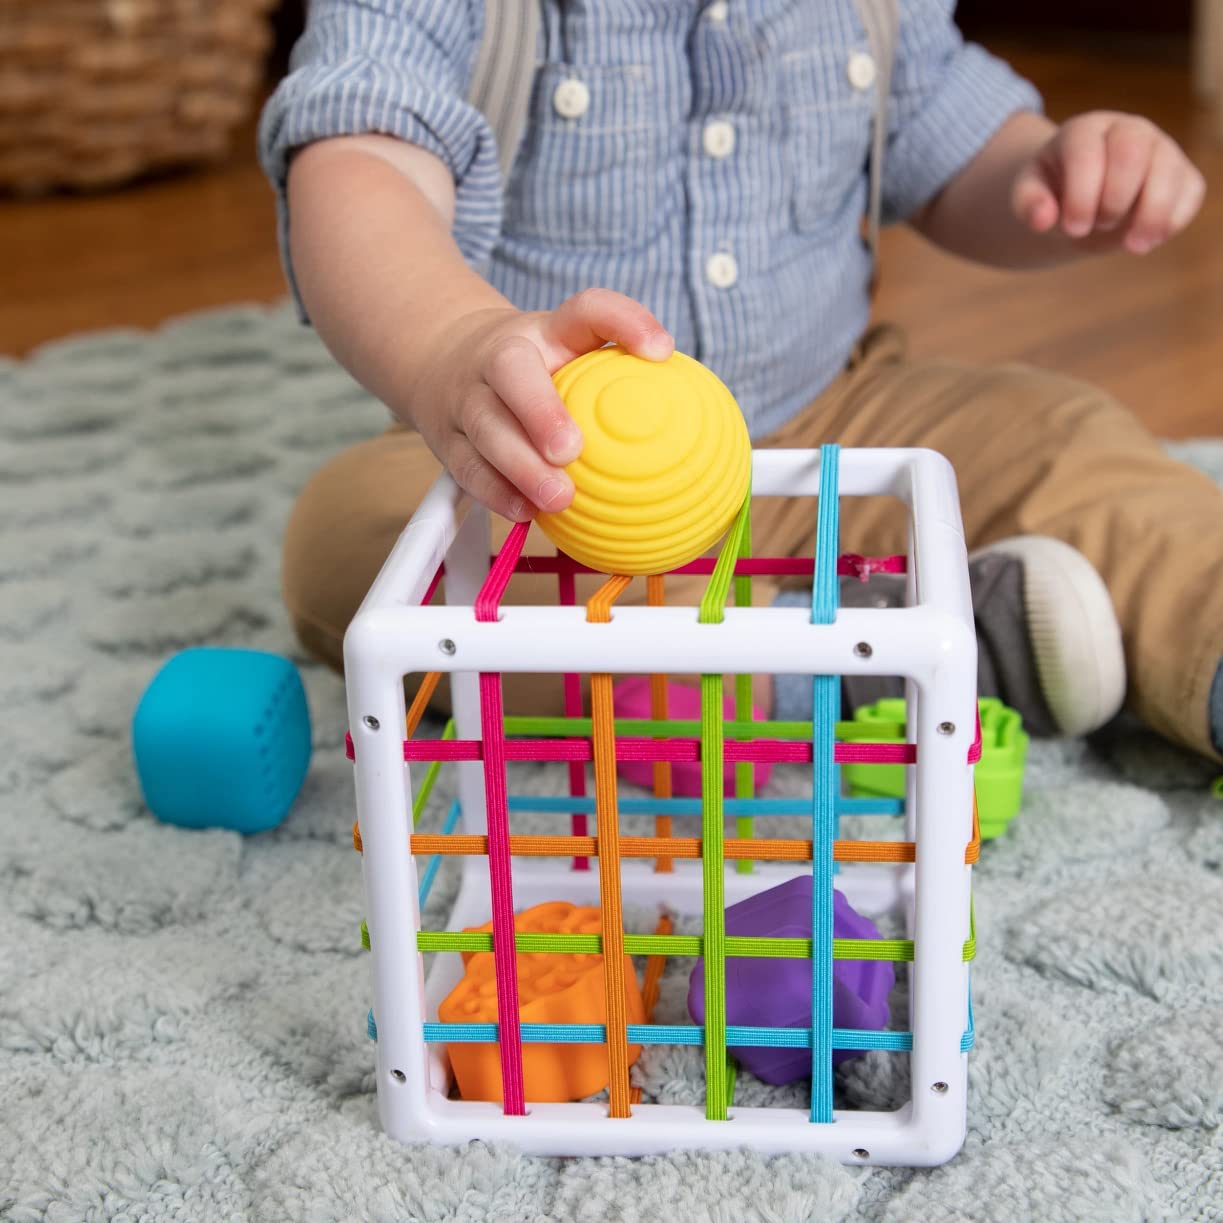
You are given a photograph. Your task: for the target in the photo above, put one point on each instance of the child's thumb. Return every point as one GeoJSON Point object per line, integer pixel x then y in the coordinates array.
{"type": "Point", "coordinates": [1032, 199]}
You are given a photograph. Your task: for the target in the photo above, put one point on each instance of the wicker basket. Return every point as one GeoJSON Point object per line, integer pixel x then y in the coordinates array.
{"type": "Point", "coordinates": [96, 92]}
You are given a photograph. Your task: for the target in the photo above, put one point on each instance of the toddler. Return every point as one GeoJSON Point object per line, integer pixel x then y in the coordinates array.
{"type": "Point", "coordinates": [694, 174]}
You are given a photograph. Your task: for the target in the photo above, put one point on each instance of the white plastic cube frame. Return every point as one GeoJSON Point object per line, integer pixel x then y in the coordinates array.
{"type": "Point", "coordinates": [931, 643]}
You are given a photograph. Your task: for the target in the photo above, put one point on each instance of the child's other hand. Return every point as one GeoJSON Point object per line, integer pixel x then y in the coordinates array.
{"type": "Point", "coordinates": [487, 407]}
{"type": "Point", "coordinates": [1114, 180]}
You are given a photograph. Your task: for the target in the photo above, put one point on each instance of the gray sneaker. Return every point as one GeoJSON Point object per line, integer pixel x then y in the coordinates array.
{"type": "Point", "coordinates": [1048, 641]}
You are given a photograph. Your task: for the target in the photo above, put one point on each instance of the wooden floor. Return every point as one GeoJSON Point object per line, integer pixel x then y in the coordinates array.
{"type": "Point", "coordinates": [1150, 330]}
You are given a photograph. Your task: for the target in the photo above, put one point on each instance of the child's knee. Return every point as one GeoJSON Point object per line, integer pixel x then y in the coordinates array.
{"type": "Point", "coordinates": [1063, 407]}
{"type": "Point", "coordinates": [342, 528]}
{"type": "Point", "coordinates": [319, 641]}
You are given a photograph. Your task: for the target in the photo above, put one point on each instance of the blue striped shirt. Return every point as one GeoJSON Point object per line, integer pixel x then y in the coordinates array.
{"type": "Point", "coordinates": [711, 162]}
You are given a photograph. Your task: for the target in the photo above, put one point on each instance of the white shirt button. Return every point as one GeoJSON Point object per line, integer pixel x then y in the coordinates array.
{"type": "Point", "coordinates": [716, 12]}
{"type": "Point", "coordinates": [571, 99]}
{"type": "Point", "coordinates": [719, 138]}
{"type": "Point", "coordinates": [721, 270]}
{"type": "Point", "coordinates": [861, 70]}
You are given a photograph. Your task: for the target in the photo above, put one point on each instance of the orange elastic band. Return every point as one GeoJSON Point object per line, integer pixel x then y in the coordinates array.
{"type": "Point", "coordinates": [654, 968]}
{"type": "Point", "coordinates": [469, 844]}
{"type": "Point", "coordinates": [423, 694]}
{"type": "Point", "coordinates": [607, 820]}
{"type": "Point", "coordinates": [472, 844]}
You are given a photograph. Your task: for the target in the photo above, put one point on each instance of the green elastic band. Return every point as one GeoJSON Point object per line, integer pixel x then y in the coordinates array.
{"type": "Point", "coordinates": [713, 611]}
{"type": "Point", "coordinates": [713, 601]}
{"type": "Point", "coordinates": [692, 945]}
{"type": "Point", "coordinates": [713, 833]}
{"type": "Point", "coordinates": [426, 786]}
{"type": "Point", "coordinates": [652, 728]}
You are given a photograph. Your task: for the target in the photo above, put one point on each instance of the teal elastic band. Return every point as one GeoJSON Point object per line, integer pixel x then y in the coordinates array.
{"type": "Point", "coordinates": [661, 1034]}
{"type": "Point", "coordinates": [687, 1034]}
{"type": "Point", "coordinates": [435, 862]}
{"type": "Point", "coordinates": [825, 699]}
{"type": "Point", "coordinates": [561, 805]}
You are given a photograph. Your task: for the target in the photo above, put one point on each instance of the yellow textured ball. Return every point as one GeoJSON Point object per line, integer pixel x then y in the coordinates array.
{"type": "Point", "coordinates": [665, 465]}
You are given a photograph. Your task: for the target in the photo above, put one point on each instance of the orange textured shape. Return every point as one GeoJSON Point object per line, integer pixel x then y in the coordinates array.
{"type": "Point", "coordinates": [552, 988]}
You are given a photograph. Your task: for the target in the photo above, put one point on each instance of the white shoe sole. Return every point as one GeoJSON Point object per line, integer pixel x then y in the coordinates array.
{"type": "Point", "coordinates": [1076, 640]}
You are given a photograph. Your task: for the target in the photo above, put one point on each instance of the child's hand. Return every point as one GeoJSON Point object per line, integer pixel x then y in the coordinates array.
{"type": "Point", "coordinates": [1114, 179]}
{"type": "Point", "coordinates": [487, 407]}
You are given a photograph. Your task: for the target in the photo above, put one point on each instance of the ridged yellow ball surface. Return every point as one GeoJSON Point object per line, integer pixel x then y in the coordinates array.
{"type": "Point", "coordinates": [665, 464]}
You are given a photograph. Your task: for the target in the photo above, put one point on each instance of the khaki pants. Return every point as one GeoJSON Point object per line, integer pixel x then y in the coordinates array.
{"type": "Point", "coordinates": [1034, 452]}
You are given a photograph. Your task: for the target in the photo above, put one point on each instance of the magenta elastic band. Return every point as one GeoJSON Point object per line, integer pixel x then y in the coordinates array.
{"type": "Point", "coordinates": [850, 565]}
{"type": "Point", "coordinates": [433, 585]}
{"type": "Point", "coordinates": [974, 752]}
{"type": "Point", "coordinates": [492, 729]}
{"type": "Point", "coordinates": [677, 751]}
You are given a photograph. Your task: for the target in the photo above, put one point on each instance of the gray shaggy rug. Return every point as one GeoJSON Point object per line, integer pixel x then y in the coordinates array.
{"type": "Point", "coordinates": [182, 1014]}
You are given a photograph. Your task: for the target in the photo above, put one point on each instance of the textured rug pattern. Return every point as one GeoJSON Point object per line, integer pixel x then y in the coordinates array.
{"type": "Point", "coordinates": [182, 1015]}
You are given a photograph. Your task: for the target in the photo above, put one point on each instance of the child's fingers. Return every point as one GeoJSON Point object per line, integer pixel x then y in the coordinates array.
{"type": "Point", "coordinates": [1191, 197]}
{"type": "Point", "coordinates": [1081, 154]}
{"type": "Point", "coordinates": [589, 319]}
{"type": "Point", "coordinates": [1129, 147]}
{"type": "Point", "coordinates": [516, 372]}
{"type": "Point", "coordinates": [478, 477]}
{"type": "Point", "coordinates": [500, 441]}
{"type": "Point", "coordinates": [1033, 200]}
{"type": "Point", "coordinates": [1161, 193]}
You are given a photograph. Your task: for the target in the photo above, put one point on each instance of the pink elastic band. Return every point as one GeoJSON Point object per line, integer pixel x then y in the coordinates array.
{"type": "Point", "coordinates": [850, 565]}
{"type": "Point", "coordinates": [861, 567]}
{"type": "Point", "coordinates": [496, 801]}
{"type": "Point", "coordinates": [564, 749]}
{"type": "Point", "coordinates": [770, 751]}
{"type": "Point", "coordinates": [488, 601]}
{"type": "Point", "coordinates": [505, 955]}
{"type": "Point", "coordinates": [437, 577]}
{"type": "Point", "coordinates": [974, 752]}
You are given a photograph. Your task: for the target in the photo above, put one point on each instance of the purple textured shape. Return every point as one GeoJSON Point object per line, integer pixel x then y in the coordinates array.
{"type": "Point", "coordinates": [776, 993]}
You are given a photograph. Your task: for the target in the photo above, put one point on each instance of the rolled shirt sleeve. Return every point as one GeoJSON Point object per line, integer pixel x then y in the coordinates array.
{"type": "Point", "coordinates": [399, 68]}
{"type": "Point", "coordinates": [948, 98]}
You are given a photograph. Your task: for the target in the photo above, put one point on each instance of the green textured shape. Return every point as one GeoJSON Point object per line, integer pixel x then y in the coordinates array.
{"type": "Point", "coordinates": [998, 776]}
{"type": "Point", "coordinates": [1216, 787]}
{"type": "Point", "coordinates": [365, 935]}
